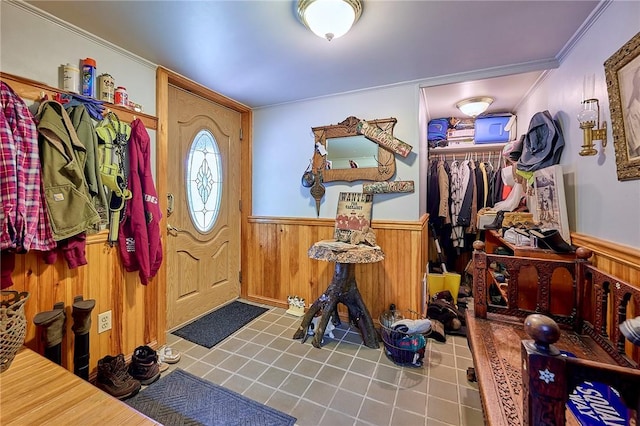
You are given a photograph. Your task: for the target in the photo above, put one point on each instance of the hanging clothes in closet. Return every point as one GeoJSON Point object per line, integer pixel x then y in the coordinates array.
{"type": "Point", "coordinates": [459, 186]}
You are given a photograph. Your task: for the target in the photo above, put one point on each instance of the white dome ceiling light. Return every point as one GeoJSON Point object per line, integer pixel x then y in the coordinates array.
{"type": "Point", "coordinates": [329, 18]}
{"type": "Point", "coordinates": [474, 106]}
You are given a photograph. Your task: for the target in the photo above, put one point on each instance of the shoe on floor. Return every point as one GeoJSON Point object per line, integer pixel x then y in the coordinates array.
{"type": "Point", "coordinates": [163, 366]}
{"type": "Point", "coordinates": [144, 365]}
{"type": "Point", "coordinates": [168, 354]}
{"type": "Point", "coordinates": [114, 379]}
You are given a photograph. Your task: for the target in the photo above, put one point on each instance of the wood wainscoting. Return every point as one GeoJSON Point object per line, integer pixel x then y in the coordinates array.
{"type": "Point", "coordinates": [615, 259]}
{"type": "Point", "coordinates": [278, 265]}
{"type": "Point", "coordinates": [134, 307]}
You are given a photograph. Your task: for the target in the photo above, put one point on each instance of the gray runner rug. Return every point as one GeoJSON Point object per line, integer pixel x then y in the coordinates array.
{"type": "Point", "coordinates": [216, 326]}
{"type": "Point", "coordinates": [181, 398]}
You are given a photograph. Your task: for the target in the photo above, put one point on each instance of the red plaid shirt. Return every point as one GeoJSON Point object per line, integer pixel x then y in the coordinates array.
{"type": "Point", "coordinates": [24, 223]}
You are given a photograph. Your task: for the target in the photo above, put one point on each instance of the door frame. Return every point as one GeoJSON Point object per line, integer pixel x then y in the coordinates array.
{"type": "Point", "coordinates": [164, 78]}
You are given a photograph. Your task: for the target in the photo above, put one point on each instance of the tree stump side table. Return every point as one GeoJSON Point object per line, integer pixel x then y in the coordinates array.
{"type": "Point", "coordinates": [342, 289]}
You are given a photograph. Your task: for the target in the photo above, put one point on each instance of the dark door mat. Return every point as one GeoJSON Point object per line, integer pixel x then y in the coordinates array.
{"type": "Point", "coordinates": [216, 326]}
{"type": "Point", "coordinates": [181, 398]}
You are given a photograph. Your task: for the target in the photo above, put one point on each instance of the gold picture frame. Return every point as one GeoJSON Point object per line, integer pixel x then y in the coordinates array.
{"type": "Point", "coordinates": [622, 71]}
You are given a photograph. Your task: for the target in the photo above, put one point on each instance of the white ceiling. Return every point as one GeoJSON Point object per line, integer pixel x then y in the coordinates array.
{"type": "Point", "coordinates": [258, 53]}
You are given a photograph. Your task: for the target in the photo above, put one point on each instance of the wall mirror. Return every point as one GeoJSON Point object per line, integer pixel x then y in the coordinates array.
{"type": "Point", "coordinates": [351, 156]}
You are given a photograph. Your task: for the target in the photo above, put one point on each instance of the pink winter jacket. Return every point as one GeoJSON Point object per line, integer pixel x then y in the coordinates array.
{"type": "Point", "coordinates": [139, 233]}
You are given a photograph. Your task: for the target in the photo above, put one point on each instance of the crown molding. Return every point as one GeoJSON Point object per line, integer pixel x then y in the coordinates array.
{"type": "Point", "coordinates": [78, 31]}
{"type": "Point", "coordinates": [591, 19]}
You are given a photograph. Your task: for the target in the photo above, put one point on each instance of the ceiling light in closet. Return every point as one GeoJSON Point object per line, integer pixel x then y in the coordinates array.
{"type": "Point", "coordinates": [329, 18]}
{"type": "Point", "coordinates": [474, 106]}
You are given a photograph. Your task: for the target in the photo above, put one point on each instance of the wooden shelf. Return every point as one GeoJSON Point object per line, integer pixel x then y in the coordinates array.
{"type": "Point", "coordinates": [467, 147]}
{"type": "Point", "coordinates": [493, 239]}
{"type": "Point", "coordinates": [502, 287]}
{"type": "Point", "coordinates": [34, 90]}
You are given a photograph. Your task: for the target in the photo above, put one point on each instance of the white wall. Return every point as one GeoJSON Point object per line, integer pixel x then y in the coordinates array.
{"type": "Point", "coordinates": [33, 44]}
{"type": "Point", "coordinates": [283, 144]}
{"type": "Point", "coordinates": [598, 204]}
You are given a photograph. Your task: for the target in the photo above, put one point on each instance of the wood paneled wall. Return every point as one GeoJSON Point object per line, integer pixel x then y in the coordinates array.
{"type": "Point", "coordinates": [137, 311]}
{"type": "Point", "coordinates": [279, 266]}
{"type": "Point", "coordinates": [615, 259]}
{"type": "Point", "coordinates": [134, 307]}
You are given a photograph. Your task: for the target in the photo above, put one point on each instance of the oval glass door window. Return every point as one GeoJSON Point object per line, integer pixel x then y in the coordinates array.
{"type": "Point", "coordinates": [204, 181]}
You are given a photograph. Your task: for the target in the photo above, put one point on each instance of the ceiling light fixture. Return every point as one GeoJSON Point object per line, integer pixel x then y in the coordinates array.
{"type": "Point", "coordinates": [329, 18]}
{"type": "Point", "coordinates": [474, 106]}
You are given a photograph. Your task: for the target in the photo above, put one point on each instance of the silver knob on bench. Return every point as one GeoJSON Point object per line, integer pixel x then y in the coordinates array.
{"type": "Point", "coordinates": [544, 331]}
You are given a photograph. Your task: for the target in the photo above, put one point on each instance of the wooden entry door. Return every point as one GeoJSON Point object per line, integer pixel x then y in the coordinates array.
{"type": "Point", "coordinates": [203, 218]}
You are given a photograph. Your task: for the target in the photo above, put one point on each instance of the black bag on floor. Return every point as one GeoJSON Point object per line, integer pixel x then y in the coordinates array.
{"type": "Point", "coordinates": [446, 313]}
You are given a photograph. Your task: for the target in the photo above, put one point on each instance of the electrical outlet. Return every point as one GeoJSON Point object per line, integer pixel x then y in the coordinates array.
{"type": "Point", "coordinates": [104, 322]}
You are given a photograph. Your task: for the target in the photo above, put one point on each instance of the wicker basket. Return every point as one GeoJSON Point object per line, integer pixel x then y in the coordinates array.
{"type": "Point", "coordinates": [13, 326]}
{"type": "Point", "coordinates": [393, 339]}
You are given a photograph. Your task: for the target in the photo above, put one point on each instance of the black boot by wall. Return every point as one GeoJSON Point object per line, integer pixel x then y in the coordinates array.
{"type": "Point", "coordinates": [552, 239]}
{"type": "Point", "coordinates": [497, 222]}
{"type": "Point", "coordinates": [81, 327]}
{"type": "Point", "coordinates": [51, 324]}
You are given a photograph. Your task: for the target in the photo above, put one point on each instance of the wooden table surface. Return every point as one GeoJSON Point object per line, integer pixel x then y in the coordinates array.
{"type": "Point", "coordinates": [35, 391]}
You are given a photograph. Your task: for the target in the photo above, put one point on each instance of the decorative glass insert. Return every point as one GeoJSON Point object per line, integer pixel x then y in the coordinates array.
{"type": "Point", "coordinates": [204, 181]}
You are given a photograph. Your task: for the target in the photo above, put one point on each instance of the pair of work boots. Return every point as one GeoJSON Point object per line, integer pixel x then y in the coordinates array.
{"type": "Point", "coordinates": [122, 381]}
{"type": "Point", "coordinates": [52, 326]}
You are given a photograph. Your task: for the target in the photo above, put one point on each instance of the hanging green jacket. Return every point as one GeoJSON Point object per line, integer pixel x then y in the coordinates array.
{"type": "Point", "coordinates": [87, 135]}
{"type": "Point", "coordinates": [62, 158]}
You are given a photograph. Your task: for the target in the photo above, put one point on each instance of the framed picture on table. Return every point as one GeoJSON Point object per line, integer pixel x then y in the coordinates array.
{"type": "Point", "coordinates": [622, 71]}
{"type": "Point", "coordinates": [353, 214]}
{"type": "Point", "coordinates": [550, 202]}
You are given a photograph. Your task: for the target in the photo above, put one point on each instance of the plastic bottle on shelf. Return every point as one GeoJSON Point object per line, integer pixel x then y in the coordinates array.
{"type": "Point", "coordinates": [121, 97]}
{"type": "Point", "coordinates": [89, 77]}
{"type": "Point", "coordinates": [70, 78]}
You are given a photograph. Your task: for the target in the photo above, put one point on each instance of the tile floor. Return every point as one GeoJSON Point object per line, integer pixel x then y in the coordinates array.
{"type": "Point", "coordinates": [344, 382]}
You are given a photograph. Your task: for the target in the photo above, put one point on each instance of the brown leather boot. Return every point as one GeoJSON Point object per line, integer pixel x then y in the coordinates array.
{"type": "Point", "coordinates": [114, 379]}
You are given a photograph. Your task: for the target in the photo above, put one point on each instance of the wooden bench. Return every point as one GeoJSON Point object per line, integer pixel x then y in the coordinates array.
{"type": "Point", "coordinates": [522, 381]}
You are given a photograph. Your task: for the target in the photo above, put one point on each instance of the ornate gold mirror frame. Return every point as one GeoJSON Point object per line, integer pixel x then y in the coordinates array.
{"type": "Point", "coordinates": [386, 160]}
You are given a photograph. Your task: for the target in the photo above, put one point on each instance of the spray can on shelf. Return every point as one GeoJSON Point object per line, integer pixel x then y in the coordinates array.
{"type": "Point", "coordinates": [70, 78]}
{"type": "Point", "coordinates": [106, 88]}
{"type": "Point", "coordinates": [89, 77]}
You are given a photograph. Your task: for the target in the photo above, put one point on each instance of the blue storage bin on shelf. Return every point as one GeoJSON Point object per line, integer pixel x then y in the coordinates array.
{"type": "Point", "coordinates": [493, 129]}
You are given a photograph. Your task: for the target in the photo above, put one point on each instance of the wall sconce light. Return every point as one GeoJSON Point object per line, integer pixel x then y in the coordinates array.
{"type": "Point", "coordinates": [589, 117]}
{"type": "Point", "coordinates": [474, 106]}
{"type": "Point", "coordinates": [329, 18]}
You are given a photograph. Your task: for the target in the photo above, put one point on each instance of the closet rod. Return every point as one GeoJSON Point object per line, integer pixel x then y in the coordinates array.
{"type": "Point", "coordinates": [32, 90]}
{"type": "Point", "coordinates": [466, 148]}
